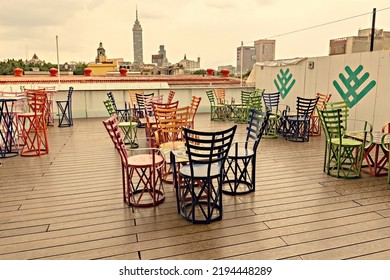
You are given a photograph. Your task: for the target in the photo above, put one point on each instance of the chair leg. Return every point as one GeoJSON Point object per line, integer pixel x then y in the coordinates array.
{"type": "Point", "coordinates": [238, 179]}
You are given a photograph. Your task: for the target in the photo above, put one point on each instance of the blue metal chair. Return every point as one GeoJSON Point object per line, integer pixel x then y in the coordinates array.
{"type": "Point", "coordinates": [240, 168]}
{"type": "Point", "coordinates": [65, 110]}
{"type": "Point", "coordinates": [123, 114]}
{"type": "Point", "coordinates": [199, 195]}
{"type": "Point", "coordinates": [297, 126]}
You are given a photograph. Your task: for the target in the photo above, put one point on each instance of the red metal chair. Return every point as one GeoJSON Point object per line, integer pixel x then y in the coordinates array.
{"type": "Point", "coordinates": [171, 94]}
{"type": "Point", "coordinates": [34, 125]}
{"type": "Point", "coordinates": [141, 172]}
{"type": "Point", "coordinates": [386, 128]}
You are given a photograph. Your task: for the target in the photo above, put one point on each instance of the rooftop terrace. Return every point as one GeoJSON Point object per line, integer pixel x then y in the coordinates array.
{"type": "Point", "coordinates": [68, 205]}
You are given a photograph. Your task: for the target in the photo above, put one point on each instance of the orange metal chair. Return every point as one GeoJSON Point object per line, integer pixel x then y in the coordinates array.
{"type": "Point", "coordinates": [50, 91]}
{"type": "Point", "coordinates": [315, 125]}
{"type": "Point", "coordinates": [141, 173]}
{"type": "Point", "coordinates": [195, 101]}
{"type": "Point", "coordinates": [34, 124]}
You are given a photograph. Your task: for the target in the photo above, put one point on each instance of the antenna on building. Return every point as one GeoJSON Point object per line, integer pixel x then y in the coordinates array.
{"type": "Point", "coordinates": [373, 30]}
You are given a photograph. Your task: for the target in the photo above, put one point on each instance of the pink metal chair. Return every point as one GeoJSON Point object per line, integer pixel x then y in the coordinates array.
{"type": "Point", "coordinates": [141, 172]}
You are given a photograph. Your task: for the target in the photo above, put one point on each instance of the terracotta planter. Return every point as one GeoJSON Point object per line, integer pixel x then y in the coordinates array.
{"type": "Point", "coordinates": [210, 72]}
{"type": "Point", "coordinates": [123, 72]}
{"type": "Point", "coordinates": [87, 72]}
{"type": "Point", "coordinates": [18, 72]}
{"type": "Point", "coordinates": [53, 72]}
{"type": "Point", "coordinates": [225, 72]}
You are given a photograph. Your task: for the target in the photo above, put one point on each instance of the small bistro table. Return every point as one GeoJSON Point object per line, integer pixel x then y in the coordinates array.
{"type": "Point", "coordinates": [375, 157]}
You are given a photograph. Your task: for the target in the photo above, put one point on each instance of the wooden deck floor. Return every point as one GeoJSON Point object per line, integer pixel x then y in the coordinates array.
{"type": "Point", "coordinates": [68, 205]}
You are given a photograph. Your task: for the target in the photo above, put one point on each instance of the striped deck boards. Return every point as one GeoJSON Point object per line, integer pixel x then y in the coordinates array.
{"type": "Point", "coordinates": [68, 205]}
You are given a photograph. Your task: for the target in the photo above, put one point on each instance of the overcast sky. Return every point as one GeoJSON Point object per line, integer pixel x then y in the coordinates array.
{"type": "Point", "coordinates": [209, 29]}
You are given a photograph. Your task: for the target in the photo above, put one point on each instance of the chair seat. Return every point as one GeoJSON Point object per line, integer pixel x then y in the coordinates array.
{"type": "Point", "coordinates": [296, 118]}
{"type": "Point", "coordinates": [30, 114]}
{"type": "Point", "coordinates": [346, 142]}
{"type": "Point", "coordinates": [144, 160]}
{"type": "Point", "coordinates": [241, 153]}
{"type": "Point", "coordinates": [200, 171]}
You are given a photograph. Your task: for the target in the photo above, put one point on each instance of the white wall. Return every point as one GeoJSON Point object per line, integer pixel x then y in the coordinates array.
{"type": "Point", "coordinates": [373, 107]}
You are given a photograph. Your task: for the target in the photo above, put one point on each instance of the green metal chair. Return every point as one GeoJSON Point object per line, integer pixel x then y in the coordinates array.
{"type": "Point", "coordinates": [343, 154]}
{"type": "Point", "coordinates": [342, 105]}
{"type": "Point", "coordinates": [129, 128]}
{"type": "Point", "coordinates": [217, 111]}
{"type": "Point", "coordinates": [386, 145]}
{"type": "Point", "coordinates": [271, 102]}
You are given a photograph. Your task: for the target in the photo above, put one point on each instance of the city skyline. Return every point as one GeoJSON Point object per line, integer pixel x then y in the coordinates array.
{"type": "Point", "coordinates": [211, 30]}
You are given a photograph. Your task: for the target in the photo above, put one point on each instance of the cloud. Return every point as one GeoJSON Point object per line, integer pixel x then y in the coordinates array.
{"type": "Point", "coordinates": [35, 13]}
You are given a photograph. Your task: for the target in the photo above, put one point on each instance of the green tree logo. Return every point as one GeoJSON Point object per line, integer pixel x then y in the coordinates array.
{"type": "Point", "coordinates": [353, 92]}
{"type": "Point", "coordinates": [284, 83]}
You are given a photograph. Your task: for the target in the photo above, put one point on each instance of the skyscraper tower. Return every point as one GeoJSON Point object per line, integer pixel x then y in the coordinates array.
{"type": "Point", "coordinates": [137, 41]}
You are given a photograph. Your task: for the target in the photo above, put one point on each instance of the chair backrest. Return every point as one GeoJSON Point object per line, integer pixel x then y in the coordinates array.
{"type": "Point", "coordinates": [171, 94]}
{"type": "Point", "coordinates": [195, 101]}
{"type": "Point", "coordinates": [172, 105]}
{"type": "Point", "coordinates": [210, 96]}
{"type": "Point", "coordinates": [332, 123]}
{"type": "Point", "coordinates": [208, 148]}
{"type": "Point", "coordinates": [112, 99]}
{"type": "Point", "coordinates": [133, 98]}
{"type": "Point", "coordinates": [256, 125]}
{"type": "Point", "coordinates": [109, 106]}
{"type": "Point", "coordinates": [37, 100]}
{"type": "Point", "coordinates": [271, 101]}
{"type": "Point", "coordinates": [245, 97]}
{"type": "Point", "coordinates": [255, 101]}
{"type": "Point", "coordinates": [170, 124]}
{"type": "Point", "coordinates": [141, 99]}
{"type": "Point", "coordinates": [112, 127]}
{"type": "Point", "coordinates": [220, 95]}
{"type": "Point", "coordinates": [386, 128]}
{"type": "Point", "coordinates": [306, 106]}
{"type": "Point", "coordinates": [344, 110]}
{"type": "Point", "coordinates": [148, 103]}
{"type": "Point", "coordinates": [70, 93]}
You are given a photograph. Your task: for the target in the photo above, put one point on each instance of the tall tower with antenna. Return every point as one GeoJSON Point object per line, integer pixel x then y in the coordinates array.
{"type": "Point", "coordinates": [137, 40]}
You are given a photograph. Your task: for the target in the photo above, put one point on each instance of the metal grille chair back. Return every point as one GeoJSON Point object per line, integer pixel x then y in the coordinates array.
{"type": "Point", "coordinates": [199, 198]}
{"type": "Point", "coordinates": [65, 118]}
{"type": "Point", "coordinates": [171, 94]}
{"type": "Point", "coordinates": [315, 128]}
{"type": "Point", "coordinates": [195, 101]}
{"type": "Point", "coordinates": [141, 173]}
{"type": "Point", "coordinates": [34, 125]}
{"type": "Point", "coordinates": [240, 167]}
{"type": "Point", "coordinates": [343, 155]}
{"type": "Point", "coordinates": [216, 110]}
{"type": "Point", "coordinates": [297, 127]}
{"type": "Point", "coordinates": [271, 103]}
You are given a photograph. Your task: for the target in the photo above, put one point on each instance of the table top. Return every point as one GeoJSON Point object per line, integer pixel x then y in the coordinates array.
{"type": "Point", "coordinates": [12, 98]}
{"type": "Point", "coordinates": [376, 136]}
{"type": "Point", "coordinates": [177, 147]}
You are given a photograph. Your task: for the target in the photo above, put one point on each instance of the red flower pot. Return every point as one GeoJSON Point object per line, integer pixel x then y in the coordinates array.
{"type": "Point", "coordinates": [210, 72]}
{"type": "Point", "coordinates": [123, 72]}
{"type": "Point", "coordinates": [87, 72]}
{"type": "Point", "coordinates": [225, 72]}
{"type": "Point", "coordinates": [53, 72]}
{"type": "Point", "coordinates": [18, 72]}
